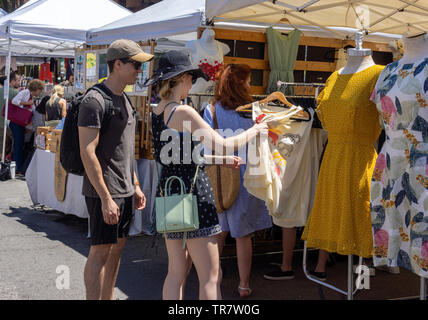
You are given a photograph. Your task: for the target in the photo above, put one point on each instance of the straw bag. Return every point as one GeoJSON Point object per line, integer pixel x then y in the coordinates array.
{"type": "Point", "coordinates": [177, 212]}
{"type": "Point", "coordinates": [225, 181]}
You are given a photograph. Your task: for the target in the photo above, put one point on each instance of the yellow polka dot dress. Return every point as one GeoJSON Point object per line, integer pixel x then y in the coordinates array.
{"type": "Point", "coordinates": [340, 220]}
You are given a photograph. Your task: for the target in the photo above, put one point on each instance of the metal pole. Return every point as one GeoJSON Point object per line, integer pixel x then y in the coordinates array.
{"type": "Point", "coordinates": [6, 96]}
{"type": "Point", "coordinates": [350, 294]}
{"type": "Point", "coordinates": [423, 288]}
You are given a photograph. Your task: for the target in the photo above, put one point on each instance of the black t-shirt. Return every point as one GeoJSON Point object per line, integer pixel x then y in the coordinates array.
{"type": "Point", "coordinates": [116, 146]}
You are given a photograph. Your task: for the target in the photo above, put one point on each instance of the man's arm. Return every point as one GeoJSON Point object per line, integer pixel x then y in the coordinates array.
{"type": "Point", "coordinates": [88, 140]}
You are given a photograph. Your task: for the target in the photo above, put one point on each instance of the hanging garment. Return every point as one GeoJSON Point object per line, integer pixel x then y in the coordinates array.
{"type": "Point", "coordinates": [70, 69]}
{"type": "Point", "coordinates": [282, 51]}
{"type": "Point", "coordinates": [266, 162]}
{"type": "Point", "coordinates": [340, 219]}
{"type": "Point", "coordinates": [300, 178]}
{"type": "Point", "coordinates": [399, 190]}
{"type": "Point", "coordinates": [45, 73]}
{"type": "Point", "coordinates": [248, 213]}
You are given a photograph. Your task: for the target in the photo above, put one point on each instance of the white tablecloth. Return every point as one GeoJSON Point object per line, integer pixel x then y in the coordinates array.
{"type": "Point", "coordinates": [40, 182]}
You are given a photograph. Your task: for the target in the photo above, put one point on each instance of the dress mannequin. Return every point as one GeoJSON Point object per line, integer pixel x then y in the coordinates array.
{"type": "Point", "coordinates": [359, 59]}
{"type": "Point", "coordinates": [416, 47]}
{"type": "Point", "coordinates": [340, 218]}
{"type": "Point", "coordinates": [207, 53]}
{"type": "Point", "coordinates": [399, 225]}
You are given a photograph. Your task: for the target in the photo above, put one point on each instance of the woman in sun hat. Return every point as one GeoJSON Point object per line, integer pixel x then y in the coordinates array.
{"type": "Point", "coordinates": [180, 156]}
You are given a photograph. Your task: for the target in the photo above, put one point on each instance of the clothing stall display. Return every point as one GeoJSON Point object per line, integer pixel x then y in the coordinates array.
{"type": "Point", "coordinates": [300, 178]}
{"type": "Point", "coordinates": [208, 54]}
{"type": "Point", "coordinates": [340, 219]}
{"type": "Point", "coordinates": [45, 73]}
{"type": "Point", "coordinates": [399, 190]}
{"type": "Point", "coordinates": [282, 51]}
{"type": "Point", "coordinates": [266, 162]}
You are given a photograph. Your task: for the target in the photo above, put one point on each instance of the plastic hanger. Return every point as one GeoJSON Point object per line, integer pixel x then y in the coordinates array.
{"type": "Point", "coordinates": [277, 95]}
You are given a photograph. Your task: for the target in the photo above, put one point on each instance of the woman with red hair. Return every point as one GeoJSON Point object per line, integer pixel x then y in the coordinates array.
{"type": "Point", "coordinates": [248, 213]}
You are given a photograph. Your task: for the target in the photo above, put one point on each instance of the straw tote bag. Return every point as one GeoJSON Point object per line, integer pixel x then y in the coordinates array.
{"type": "Point", "coordinates": [225, 181]}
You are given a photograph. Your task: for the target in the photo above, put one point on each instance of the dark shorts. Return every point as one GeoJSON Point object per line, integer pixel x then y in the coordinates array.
{"type": "Point", "coordinates": [103, 233]}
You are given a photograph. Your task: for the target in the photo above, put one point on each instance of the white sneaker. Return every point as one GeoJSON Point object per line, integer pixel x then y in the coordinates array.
{"type": "Point", "coordinates": [391, 270]}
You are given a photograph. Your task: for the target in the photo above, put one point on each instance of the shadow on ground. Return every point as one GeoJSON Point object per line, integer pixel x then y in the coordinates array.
{"type": "Point", "coordinates": [144, 266]}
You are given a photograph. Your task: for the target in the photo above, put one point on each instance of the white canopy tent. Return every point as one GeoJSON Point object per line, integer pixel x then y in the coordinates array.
{"type": "Point", "coordinates": [50, 26]}
{"type": "Point", "coordinates": [2, 12]}
{"type": "Point", "coordinates": [330, 18]}
{"type": "Point", "coordinates": [375, 17]}
{"type": "Point", "coordinates": [163, 19]}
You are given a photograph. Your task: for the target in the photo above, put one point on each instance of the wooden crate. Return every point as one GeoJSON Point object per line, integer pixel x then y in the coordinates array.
{"type": "Point", "coordinates": [53, 141]}
{"type": "Point", "coordinates": [44, 130]}
{"type": "Point", "coordinates": [43, 137]}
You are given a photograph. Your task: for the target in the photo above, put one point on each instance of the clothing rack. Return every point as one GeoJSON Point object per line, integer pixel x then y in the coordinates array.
{"type": "Point", "coordinates": [315, 85]}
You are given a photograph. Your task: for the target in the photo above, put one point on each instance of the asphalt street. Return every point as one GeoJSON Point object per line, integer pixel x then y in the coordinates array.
{"type": "Point", "coordinates": [41, 248]}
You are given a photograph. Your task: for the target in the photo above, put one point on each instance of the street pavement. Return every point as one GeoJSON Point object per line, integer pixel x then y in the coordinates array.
{"type": "Point", "coordinates": [39, 247]}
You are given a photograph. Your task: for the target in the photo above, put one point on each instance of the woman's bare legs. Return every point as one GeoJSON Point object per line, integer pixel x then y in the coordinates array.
{"type": "Point", "coordinates": [179, 264]}
{"type": "Point", "coordinates": [205, 257]}
{"type": "Point", "coordinates": [244, 252]}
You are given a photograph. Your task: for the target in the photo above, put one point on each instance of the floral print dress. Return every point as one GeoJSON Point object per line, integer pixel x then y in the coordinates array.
{"type": "Point", "coordinates": [399, 189]}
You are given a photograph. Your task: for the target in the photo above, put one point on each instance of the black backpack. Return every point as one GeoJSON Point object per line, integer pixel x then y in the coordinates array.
{"type": "Point", "coordinates": [70, 148]}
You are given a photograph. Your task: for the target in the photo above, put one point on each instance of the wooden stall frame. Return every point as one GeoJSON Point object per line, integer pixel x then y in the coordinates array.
{"type": "Point", "coordinates": [263, 64]}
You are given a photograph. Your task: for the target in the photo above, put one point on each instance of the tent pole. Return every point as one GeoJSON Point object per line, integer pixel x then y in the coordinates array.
{"type": "Point", "coordinates": [6, 95]}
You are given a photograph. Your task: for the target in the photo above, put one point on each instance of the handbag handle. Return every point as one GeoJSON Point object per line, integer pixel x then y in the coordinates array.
{"type": "Point", "coordinates": [168, 185]}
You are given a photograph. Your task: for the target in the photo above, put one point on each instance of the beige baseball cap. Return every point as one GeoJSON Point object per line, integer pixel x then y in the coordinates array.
{"type": "Point", "coordinates": [127, 49]}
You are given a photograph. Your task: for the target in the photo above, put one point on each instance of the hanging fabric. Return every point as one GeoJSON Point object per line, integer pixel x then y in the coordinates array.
{"type": "Point", "coordinates": [282, 51]}
{"type": "Point", "coordinates": [265, 174]}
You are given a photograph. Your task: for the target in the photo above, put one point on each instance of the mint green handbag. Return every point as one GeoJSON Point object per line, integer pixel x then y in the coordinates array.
{"type": "Point", "coordinates": [177, 212]}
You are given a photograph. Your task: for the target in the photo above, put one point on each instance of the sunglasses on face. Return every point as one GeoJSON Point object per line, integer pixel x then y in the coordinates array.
{"type": "Point", "coordinates": [137, 65]}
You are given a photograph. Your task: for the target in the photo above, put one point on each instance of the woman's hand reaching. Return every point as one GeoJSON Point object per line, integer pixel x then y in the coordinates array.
{"type": "Point", "coordinates": [233, 162]}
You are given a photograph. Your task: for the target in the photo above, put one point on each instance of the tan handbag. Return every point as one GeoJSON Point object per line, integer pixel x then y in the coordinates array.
{"type": "Point", "coordinates": [225, 181]}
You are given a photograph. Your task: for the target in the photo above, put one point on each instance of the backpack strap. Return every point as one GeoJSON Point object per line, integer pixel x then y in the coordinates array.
{"type": "Point", "coordinates": [109, 109]}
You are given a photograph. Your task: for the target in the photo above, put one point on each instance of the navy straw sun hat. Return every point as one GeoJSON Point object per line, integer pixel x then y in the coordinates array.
{"type": "Point", "coordinates": [172, 64]}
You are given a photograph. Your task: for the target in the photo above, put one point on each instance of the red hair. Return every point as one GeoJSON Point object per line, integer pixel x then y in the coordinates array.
{"type": "Point", "coordinates": [230, 89]}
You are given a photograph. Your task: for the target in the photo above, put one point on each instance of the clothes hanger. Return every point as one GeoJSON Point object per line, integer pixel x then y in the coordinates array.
{"type": "Point", "coordinates": [285, 20]}
{"type": "Point", "coordinates": [277, 95]}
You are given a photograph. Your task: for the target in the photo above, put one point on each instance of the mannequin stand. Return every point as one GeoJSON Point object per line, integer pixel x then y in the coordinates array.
{"type": "Point", "coordinates": [423, 288]}
{"type": "Point", "coordinates": [350, 291]}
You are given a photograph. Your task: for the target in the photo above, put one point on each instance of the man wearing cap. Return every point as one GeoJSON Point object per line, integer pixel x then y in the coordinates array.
{"type": "Point", "coordinates": [110, 185]}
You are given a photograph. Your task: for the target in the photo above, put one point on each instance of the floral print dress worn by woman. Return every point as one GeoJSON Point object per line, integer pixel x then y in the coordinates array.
{"type": "Point", "coordinates": [399, 190]}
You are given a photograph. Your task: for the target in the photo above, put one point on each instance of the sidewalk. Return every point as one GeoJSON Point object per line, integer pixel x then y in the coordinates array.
{"type": "Point", "coordinates": [34, 243]}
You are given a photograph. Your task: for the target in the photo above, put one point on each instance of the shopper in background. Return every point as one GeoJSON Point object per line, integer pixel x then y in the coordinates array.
{"type": "Point", "coordinates": [23, 98]}
{"type": "Point", "coordinates": [56, 107]}
{"type": "Point", "coordinates": [175, 77]}
{"type": "Point", "coordinates": [248, 213]}
{"type": "Point", "coordinates": [13, 91]}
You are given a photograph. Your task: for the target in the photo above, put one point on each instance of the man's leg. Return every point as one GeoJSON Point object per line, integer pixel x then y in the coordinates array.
{"type": "Point", "coordinates": [111, 270]}
{"type": "Point", "coordinates": [288, 243]}
{"type": "Point", "coordinates": [95, 270]}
